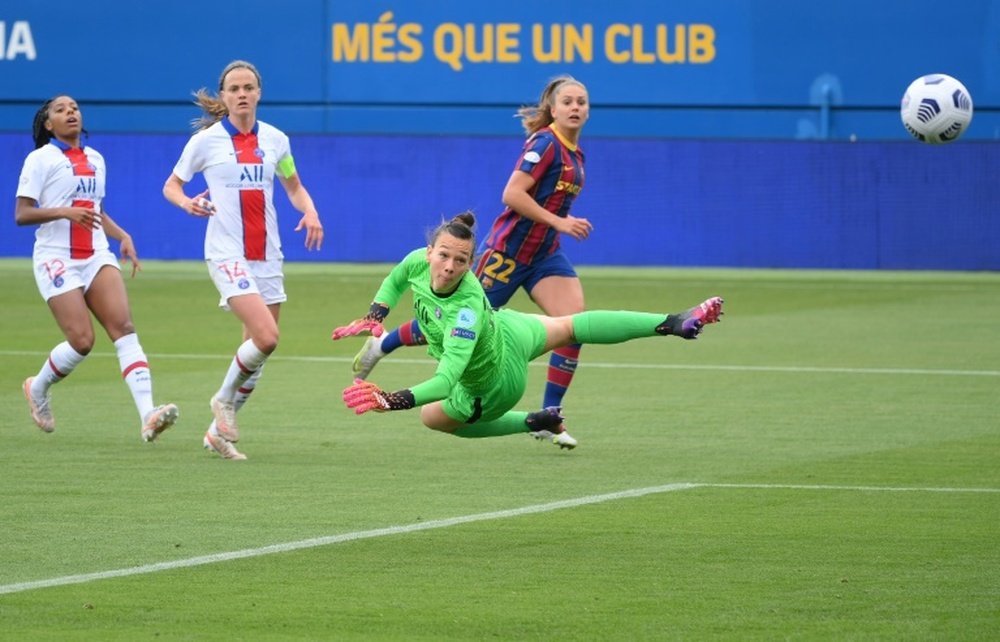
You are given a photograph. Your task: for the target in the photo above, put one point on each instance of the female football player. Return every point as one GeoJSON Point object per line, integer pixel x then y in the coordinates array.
{"type": "Point", "coordinates": [240, 157]}
{"type": "Point", "coordinates": [522, 249]}
{"type": "Point", "coordinates": [61, 190]}
{"type": "Point", "coordinates": [482, 353]}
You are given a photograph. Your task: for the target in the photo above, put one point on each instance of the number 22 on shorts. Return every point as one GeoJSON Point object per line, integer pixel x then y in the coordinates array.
{"type": "Point", "coordinates": [499, 267]}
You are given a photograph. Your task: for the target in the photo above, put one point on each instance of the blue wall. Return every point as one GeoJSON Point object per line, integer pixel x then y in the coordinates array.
{"type": "Point", "coordinates": [653, 202]}
{"type": "Point", "coordinates": [701, 153]}
{"type": "Point", "coordinates": [761, 69]}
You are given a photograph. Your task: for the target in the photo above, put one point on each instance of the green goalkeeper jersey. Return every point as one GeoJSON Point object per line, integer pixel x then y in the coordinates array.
{"type": "Point", "coordinates": [460, 328]}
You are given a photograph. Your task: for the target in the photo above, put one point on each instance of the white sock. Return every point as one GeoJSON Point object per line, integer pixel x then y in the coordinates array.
{"type": "Point", "coordinates": [248, 360]}
{"type": "Point", "coordinates": [62, 360]}
{"type": "Point", "coordinates": [243, 392]}
{"type": "Point", "coordinates": [135, 372]}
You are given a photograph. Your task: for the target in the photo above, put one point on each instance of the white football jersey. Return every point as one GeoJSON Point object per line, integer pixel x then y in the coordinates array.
{"type": "Point", "coordinates": [239, 170]}
{"type": "Point", "coordinates": [57, 175]}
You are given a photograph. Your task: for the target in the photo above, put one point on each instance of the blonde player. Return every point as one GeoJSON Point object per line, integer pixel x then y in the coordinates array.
{"type": "Point", "coordinates": [61, 190]}
{"type": "Point", "coordinates": [239, 157]}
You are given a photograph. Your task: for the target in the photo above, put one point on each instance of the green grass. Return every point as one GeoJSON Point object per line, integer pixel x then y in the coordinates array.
{"type": "Point", "coordinates": [835, 441]}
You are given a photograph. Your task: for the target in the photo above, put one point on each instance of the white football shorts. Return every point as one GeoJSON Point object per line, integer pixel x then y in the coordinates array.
{"type": "Point", "coordinates": [239, 277]}
{"type": "Point", "coordinates": [56, 274]}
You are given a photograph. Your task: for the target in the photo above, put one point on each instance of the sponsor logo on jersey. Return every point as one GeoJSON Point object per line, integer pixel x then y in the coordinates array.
{"type": "Point", "coordinates": [532, 157]}
{"type": "Point", "coordinates": [566, 186]}
{"type": "Point", "coordinates": [463, 333]}
{"type": "Point", "coordinates": [86, 187]}
{"type": "Point", "coordinates": [251, 177]}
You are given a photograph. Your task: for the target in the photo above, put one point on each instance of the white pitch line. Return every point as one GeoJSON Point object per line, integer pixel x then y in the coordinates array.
{"type": "Point", "coordinates": [444, 523]}
{"type": "Point", "coordinates": [338, 539]}
{"type": "Point", "coordinates": [588, 364]}
{"type": "Point", "coordinates": [883, 489]}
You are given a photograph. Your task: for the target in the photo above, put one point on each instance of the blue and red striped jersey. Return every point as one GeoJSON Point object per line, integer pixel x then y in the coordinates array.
{"type": "Point", "coordinates": [557, 167]}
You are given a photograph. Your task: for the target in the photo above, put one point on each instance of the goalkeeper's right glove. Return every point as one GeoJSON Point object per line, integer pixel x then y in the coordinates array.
{"type": "Point", "coordinates": [363, 396]}
{"type": "Point", "coordinates": [371, 322]}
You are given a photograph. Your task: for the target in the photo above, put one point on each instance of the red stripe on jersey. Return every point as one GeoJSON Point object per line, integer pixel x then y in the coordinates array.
{"type": "Point", "coordinates": [254, 225]}
{"type": "Point", "coordinates": [81, 239]}
{"type": "Point", "coordinates": [501, 231]}
{"type": "Point", "coordinates": [531, 243]}
{"type": "Point", "coordinates": [535, 238]}
{"type": "Point", "coordinates": [252, 208]}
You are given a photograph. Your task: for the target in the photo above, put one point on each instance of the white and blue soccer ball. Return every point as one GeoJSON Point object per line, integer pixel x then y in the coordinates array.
{"type": "Point", "coordinates": [936, 109]}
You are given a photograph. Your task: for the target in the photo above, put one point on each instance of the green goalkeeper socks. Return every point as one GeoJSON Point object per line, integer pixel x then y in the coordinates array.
{"type": "Point", "coordinates": [596, 326]}
{"type": "Point", "coordinates": [510, 423]}
{"type": "Point", "coordinates": [607, 326]}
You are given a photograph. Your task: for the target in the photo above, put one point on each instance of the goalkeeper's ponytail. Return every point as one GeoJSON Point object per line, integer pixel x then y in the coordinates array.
{"type": "Point", "coordinates": [460, 226]}
{"type": "Point", "coordinates": [466, 220]}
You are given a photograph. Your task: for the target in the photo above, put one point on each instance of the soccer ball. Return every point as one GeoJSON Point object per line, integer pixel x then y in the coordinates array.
{"type": "Point", "coordinates": [936, 109]}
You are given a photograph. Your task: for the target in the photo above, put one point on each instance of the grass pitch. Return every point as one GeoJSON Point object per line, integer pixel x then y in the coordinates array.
{"type": "Point", "coordinates": [821, 465]}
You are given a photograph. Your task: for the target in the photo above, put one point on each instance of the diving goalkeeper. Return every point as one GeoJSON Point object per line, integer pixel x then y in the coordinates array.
{"type": "Point", "coordinates": [483, 354]}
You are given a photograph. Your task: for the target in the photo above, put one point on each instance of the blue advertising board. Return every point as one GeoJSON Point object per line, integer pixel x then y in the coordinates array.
{"type": "Point", "coordinates": [768, 204]}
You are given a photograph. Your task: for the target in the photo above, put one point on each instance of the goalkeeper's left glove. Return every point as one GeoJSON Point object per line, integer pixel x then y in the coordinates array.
{"type": "Point", "coordinates": [372, 322]}
{"type": "Point", "coordinates": [363, 396]}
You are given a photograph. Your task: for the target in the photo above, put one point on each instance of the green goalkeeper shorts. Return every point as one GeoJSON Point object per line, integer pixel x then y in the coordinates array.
{"type": "Point", "coordinates": [522, 337]}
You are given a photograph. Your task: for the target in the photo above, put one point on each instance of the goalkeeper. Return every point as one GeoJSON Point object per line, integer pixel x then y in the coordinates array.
{"type": "Point", "coordinates": [483, 354]}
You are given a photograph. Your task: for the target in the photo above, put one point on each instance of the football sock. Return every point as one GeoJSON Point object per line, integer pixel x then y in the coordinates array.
{"type": "Point", "coordinates": [248, 360]}
{"type": "Point", "coordinates": [510, 423]}
{"type": "Point", "coordinates": [408, 334]}
{"type": "Point", "coordinates": [62, 360]}
{"type": "Point", "coordinates": [562, 367]}
{"type": "Point", "coordinates": [135, 372]}
{"type": "Point", "coordinates": [607, 326]}
{"type": "Point", "coordinates": [391, 341]}
{"type": "Point", "coordinates": [243, 392]}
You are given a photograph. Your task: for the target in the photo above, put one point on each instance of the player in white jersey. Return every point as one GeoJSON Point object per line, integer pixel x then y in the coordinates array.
{"type": "Point", "coordinates": [61, 190]}
{"type": "Point", "coordinates": [239, 156]}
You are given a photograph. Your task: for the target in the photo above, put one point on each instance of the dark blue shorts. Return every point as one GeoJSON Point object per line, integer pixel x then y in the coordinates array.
{"type": "Point", "coordinates": [501, 276]}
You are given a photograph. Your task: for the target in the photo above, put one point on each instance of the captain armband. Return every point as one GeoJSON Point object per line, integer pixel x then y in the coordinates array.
{"type": "Point", "coordinates": [286, 167]}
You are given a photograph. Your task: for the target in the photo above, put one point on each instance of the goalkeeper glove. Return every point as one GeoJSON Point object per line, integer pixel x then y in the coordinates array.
{"type": "Point", "coordinates": [371, 322]}
{"type": "Point", "coordinates": [362, 396]}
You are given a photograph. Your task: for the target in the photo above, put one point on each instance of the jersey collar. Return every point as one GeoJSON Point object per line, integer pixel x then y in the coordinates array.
{"type": "Point", "coordinates": [61, 145]}
{"type": "Point", "coordinates": [231, 128]}
{"type": "Point", "coordinates": [562, 138]}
